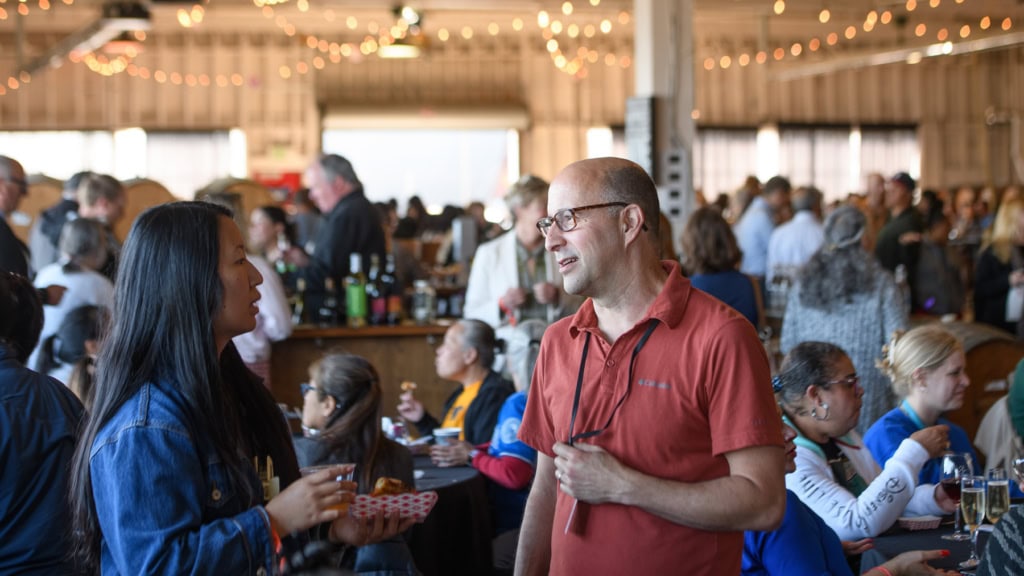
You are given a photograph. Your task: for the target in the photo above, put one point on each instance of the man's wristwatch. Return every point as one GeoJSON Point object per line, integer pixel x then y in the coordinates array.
{"type": "Point", "coordinates": [472, 455]}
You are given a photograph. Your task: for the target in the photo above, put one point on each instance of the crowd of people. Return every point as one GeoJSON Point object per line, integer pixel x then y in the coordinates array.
{"type": "Point", "coordinates": [620, 403]}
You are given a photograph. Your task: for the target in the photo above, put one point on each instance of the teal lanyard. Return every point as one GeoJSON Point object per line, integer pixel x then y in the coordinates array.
{"type": "Point", "coordinates": [909, 411]}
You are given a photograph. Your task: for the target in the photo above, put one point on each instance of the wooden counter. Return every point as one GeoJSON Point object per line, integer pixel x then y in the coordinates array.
{"type": "Point", "coordinates": [398, 352]}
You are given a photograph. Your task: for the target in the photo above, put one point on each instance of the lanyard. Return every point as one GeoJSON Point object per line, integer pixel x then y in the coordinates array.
{"type": "Point", "coordinates": [629, 384]}
{"type": "Point", "coordinates": [909, 411]}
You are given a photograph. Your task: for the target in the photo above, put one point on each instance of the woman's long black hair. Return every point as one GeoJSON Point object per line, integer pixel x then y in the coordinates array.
{"type": "Point", "coordinates": [353, 432]}
{"type": "Point", "coordinates": [167, 294]}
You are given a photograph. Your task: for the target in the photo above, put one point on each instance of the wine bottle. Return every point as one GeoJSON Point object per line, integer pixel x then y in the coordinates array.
{"type": "Point", "coordinates": [299, 302]}
{"type": "Point", "coordinates": [391, 291]}
{"type": "Point", "coordinates": [374, 294]}
{"type": "Point", "coordinates": [355, 292]}
{"type": "Point", "coordinates": [328, 313]}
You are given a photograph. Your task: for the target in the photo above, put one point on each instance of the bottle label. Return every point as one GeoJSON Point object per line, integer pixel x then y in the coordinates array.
{"type": "Point", "coordinates": [355, 301]}
{"type": "Point", "coordinates": [378, 308]}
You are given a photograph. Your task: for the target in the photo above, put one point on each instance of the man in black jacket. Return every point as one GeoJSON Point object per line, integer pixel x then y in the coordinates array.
{"type": "Point", "coordinates": [349, 223]}
{"type": "Point", "coordinates": [14, 256]}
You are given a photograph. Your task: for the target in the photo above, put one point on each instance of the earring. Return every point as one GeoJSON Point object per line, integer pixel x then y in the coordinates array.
{"type": "Point", "coordinates": [814, 413]}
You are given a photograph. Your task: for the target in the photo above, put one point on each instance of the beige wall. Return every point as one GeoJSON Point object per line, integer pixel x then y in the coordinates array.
{"type": "Point", "coordinates": [282, 118]}
{"type": "Point", "coordinates": [946, 97]}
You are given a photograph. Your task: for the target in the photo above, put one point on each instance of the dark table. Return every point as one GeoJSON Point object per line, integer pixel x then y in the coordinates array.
{"type": "Point", "coordinates": [897, 540]}
{"type": "Point", "coordinates": [455, 539]}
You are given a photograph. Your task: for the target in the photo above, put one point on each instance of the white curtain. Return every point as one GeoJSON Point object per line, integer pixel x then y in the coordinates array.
{"type": "Point", "coordinates": [60, 154]}
{"type": "Point", "coordinates": [184, 162]}
{"type": "Point", "coordinates": [888, 151]}
{"type": "Point", "coordinates": [818, 157]}
{"type": "Point", "coordinates": [722, 159]}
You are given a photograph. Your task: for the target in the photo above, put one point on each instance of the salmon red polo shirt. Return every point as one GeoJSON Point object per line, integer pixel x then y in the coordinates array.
{"type": "Point", "coordinates": [702, 388]}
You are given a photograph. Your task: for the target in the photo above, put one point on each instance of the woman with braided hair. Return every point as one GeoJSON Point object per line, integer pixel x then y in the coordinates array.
{"type": "Point", "coordinates": [819, 391]}
{"type": "Point", "coordinates": [844, 296]}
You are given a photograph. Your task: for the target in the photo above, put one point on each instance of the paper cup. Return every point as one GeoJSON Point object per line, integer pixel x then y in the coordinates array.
{"type": "Point", "coordinates": [446, 436]}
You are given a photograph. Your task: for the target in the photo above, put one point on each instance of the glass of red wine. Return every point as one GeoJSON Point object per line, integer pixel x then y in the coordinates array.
{"type": "Point", "coordinates": [955, 465]}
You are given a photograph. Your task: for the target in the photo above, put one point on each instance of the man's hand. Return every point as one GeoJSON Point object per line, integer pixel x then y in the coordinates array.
{"type": "Point", "coordinates": [513, 298]}
{"type": "Point", "coordinates": [454, 455]}
{"type": "Point", "coordinates": [54, 294]}
{"type": "Point", "coordinates": [590, 474]}
{"type": "Point", "coordinates": [545, 293]}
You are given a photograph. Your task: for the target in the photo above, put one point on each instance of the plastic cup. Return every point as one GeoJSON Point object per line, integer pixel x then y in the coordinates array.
{"type": "Point", "coordinates": [446, 436]}
{"type": "Point", "coordinates": [342, 507]}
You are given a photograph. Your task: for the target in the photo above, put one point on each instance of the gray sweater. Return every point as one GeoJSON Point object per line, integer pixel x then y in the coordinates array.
{"type": "Point", "coordinates": [860, 328]}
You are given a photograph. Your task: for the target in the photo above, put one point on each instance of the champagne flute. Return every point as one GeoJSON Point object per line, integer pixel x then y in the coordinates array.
{"type": "Point", "coordinates": [955, 465]}
{"type": "Point", "coordinates": [1018, 471]}
{"type": "Point", "coordinates": [997, 494]}
{"type": "Point", "coordinates": [972, 503]}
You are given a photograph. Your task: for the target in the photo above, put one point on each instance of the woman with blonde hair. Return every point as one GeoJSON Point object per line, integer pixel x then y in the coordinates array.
{"type": "Point", "coordinates": [999, 272]}
{"type": "Point", "coordinates": [926, 366]}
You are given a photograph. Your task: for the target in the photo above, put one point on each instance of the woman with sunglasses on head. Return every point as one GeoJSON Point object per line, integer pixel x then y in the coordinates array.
{"type": "Point", "coordinates": [819, 391]}
{"type": "Point", "coordinates": [163, 479]}
{"type": "Point", "coordinates": [342, 403]}
{"type": "Point", "coordinates": [926, 366]}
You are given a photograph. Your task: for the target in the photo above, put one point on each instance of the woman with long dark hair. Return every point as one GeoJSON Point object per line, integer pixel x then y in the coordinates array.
{"type": "Point", "coordinates": [163, 480]}
{"type": "Point", "coordinates": [342, 402]}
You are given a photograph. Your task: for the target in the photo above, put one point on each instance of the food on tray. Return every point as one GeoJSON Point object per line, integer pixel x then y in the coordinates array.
{"type": "Point", "coordinates": [389, 487]}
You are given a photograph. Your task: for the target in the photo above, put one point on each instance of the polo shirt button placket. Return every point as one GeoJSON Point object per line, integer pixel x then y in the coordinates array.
{"type": "Point", "coordinates": [610, 363]}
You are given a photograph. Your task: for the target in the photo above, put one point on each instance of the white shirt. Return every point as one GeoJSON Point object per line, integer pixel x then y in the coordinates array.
{"type": "Point", "coordinates": [792, 244]}
{"type": "Point", "coordinates": [84, 288]}
{"type": "Point", "coordinates": [891, 492]}
{"type": "Point", "coordinates": [752, 233]}
{"type": "Point", "coordinates": [273, 321]}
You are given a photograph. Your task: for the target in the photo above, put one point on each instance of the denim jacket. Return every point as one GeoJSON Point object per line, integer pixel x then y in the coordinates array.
{"type": "Point", "coordinates": [164, 500]}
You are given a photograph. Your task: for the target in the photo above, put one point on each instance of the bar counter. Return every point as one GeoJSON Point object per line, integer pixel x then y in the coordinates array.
{"type": "Point", "coordinates": [404, 352]}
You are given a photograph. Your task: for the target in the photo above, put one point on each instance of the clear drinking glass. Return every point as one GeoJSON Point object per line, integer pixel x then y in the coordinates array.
{"type": "Point", "coordinates": [972, 504]}
{"type": "Point", "coordinates": [997, 494]}
{"type": "Point", "coordinates": [955, 465]}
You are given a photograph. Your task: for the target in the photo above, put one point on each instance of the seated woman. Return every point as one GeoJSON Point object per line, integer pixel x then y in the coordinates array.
{"type": "Point", "coordinates": [711, 259]}
{"type": "Point", "coordinates": [163, 479]}
{"type": "Point", "coordinates": [77, 340]}
{"type": "Point", "coordinates": [39, 422]}
{"type": "Point", "coordinates": [820, 395]}
{"type": "Point", "coordinates": [506, 461]}
{"type": "Point", "coordinates": [342, 402]}
{"type": "Point", "coordinates": [83, 248]}
{"type": "Point", "coordinates": [465, 356]}
{"type": "Point", "coordinates": [804, 544]}
{"type": "Point", "coordinates": [926, 367]}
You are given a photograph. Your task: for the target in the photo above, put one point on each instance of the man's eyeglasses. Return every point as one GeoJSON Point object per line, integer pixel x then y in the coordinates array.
{"type": "Point", "coordinates": [306, 387]}
{"type": "Point", "coordinates": [849, 382]}
{"type": "Point", "coordinates": [566, 220]}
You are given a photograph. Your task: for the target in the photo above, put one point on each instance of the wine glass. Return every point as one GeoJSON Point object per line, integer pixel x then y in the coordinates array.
{"type": "Point", "coordinates": [997, 494]}
{"type": "Point", "coordinates": [1018, 471]}
{"type": "Point", "coordinates": [955, 465]}
{"type": "Point", "coordinates": [972, 503]}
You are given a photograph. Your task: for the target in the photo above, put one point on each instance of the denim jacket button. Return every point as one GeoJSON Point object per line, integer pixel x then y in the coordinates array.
{"type": "Point", "coordinates": [215, 495]}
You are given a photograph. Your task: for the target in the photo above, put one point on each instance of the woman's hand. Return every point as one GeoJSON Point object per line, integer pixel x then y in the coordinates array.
{"type": "Point", "coordinates": [934, 439]}
{"type": "Point", "coordinates": [307, 502]}
{"type": "Point", "coordinates": [913, 563]}
{"type": "Point", "coordinates": [453, 455]}
{"type": "Point", "coordinates": [947, 504]}
{"type": "Point", "coordinates": [857, 547]}
{"type": "Point", "coordinates": [410, 408]}
{"type": "Point", "coordinates": [376, 528]}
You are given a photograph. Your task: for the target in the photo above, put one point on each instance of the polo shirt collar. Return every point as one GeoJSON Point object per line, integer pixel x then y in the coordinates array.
{"type": "Point", "coordinates": [668, 307]}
